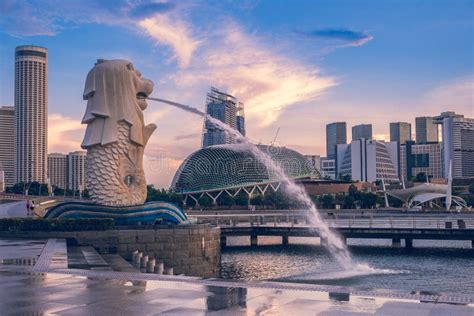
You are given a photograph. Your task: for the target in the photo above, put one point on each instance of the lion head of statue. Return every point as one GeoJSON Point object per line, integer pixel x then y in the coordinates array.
{"type": "Point", "coordinates": [115, 91]}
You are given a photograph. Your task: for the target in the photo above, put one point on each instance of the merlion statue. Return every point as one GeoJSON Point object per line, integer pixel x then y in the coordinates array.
{"type": "Point", "coordinates": [116, 133]}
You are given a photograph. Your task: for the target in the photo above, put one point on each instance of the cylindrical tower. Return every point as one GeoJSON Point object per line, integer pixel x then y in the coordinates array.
{"type": "Point", "coordinates": [31, 113]}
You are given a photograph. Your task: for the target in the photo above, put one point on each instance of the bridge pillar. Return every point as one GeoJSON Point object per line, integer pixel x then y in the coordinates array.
{"type": "Point", "coordinates": [284, 240]}
{"type": "Point", "coordinates": [223, 241]}
{"type": "Point", "coordinates": [396, 242]}
{"type": "Point", "coordinates": [253, 240]}
{"type": "Point", "coordinates": [408, 243]}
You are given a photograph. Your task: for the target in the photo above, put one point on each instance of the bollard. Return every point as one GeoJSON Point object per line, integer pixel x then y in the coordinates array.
{"type": "Point", "coordinates": [143, 261]}
{"type": "Point", "coordinates": [150, 266]}
{"type": "Point", "coordinates": [138, 258]}
{"type": "Point", "coordinates": [159, 267]}
{"type": "Point", "coordinates": [168, 271]}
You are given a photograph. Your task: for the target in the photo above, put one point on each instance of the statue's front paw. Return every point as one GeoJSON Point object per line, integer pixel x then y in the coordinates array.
{"type": "Point", "coordinates": [147, 131]}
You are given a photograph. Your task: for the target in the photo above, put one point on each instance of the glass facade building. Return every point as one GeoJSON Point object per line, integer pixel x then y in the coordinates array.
{"type": "Point", "coordinates": [228, 110]}
{"type": "Point", "coordinates": [335, 134]}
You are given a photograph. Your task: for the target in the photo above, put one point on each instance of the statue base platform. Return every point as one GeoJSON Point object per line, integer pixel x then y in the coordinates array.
{"type": "Point", "coordinates": [148, 213]}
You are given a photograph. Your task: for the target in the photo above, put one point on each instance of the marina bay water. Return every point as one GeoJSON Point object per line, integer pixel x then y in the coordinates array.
{"type": "Point", "coordinates": [334, 243]}
{"type": "Point", "coordinates": [437, 266]}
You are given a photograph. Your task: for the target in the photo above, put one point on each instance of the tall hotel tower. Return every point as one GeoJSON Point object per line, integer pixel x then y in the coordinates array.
{"type": "Point", "coordinates": [31, 111]}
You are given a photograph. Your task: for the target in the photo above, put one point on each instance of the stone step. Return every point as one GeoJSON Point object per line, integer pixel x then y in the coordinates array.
{"type": "Point", "coordinates": [93, 258]}
{"type": "Point", "coordinates": [76, 259]}
{"type": "Point", "coordinates": [117, 263]}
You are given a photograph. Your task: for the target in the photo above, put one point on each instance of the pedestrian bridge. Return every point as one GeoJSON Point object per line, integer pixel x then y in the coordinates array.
{"type": "Point", "coordinates": [408, 229]}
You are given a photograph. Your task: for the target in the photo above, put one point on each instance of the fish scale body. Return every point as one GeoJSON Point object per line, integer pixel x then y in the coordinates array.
{"type": "Point", "coordinates": [109, 165]}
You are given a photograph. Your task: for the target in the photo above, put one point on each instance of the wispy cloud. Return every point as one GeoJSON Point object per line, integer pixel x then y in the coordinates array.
{"type": "Point", "coordinates": [346, 36]}
{"type": "Point", "coordinates": [173, 32]}
{"type": "Point", "coordinates": [266, 81]}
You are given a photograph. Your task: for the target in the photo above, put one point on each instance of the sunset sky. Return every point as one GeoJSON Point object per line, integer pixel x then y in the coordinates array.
{"type": "Point", "coordinates": [297, 65]}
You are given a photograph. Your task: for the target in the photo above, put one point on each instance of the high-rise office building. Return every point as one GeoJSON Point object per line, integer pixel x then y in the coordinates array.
{"type": "Point", "coordinates": [458, 144]}
{"type": "Point", "coordinates": [76, 165]}
{"type": "Point", "coordinates": [57, 170]}
{"type": "Point", "coordinates": [228, 110]}
{"type": "Point", "coordinates": [424, 158]}
{"type": "Point", "coordinates": [426, 130]}
{"type": "Point", "coordinates": [362, 131]}
{"type": "Point", "coordinates": [335, 134]}
{"type": "Point", "coordinates": [7, 144]}
{"type": "Point", "coordinates": [368, 160]}
{"type": "Point", "coordinates": [400, 132]}
{"type": "Point", "coordinates": [31, 110]}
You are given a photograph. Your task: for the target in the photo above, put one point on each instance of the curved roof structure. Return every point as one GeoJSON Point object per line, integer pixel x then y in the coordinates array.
{"type": "Point", "coordinates": [230, 166]}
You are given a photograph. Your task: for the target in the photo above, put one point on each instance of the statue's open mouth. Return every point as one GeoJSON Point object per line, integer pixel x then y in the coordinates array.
{"type": "Point", "coordinates": [142, 95]}
{"type": "Point", "coordinates": [141, 100]}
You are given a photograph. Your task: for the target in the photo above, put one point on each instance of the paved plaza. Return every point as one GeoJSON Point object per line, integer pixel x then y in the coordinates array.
{"type": "Point", "coordinates": [35, 280]}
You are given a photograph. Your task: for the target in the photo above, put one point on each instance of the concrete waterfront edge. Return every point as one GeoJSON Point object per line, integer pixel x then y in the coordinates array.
{"type": "Point", "coordinates": [192, 250]}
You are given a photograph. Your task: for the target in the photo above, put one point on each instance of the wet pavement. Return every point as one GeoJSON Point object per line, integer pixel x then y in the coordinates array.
{"type": "Point", "coordinates": [63, 291]}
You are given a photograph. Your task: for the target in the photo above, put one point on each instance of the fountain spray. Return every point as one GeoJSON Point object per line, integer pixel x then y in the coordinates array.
{"type": "Point", "coordinates": [334, 244]}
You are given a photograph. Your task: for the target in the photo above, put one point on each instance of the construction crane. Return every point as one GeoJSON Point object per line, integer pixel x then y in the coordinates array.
{"type": "Point", "coordinates": [276, 135]}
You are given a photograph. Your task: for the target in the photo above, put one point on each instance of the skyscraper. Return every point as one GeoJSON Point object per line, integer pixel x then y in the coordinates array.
{"type": "Point", "coordinates": [57, 170]}
{"type": "Point", "coordinates": [76, 165]}
{"type": "Point", "coordinates": [458, 144]}
{"type": "Point", "coordinates": [7, 144]}
{"type": "Point", "coordinates": [31, 110]}
{"type": "Point", "coordinates": [426, 130]}
{"type": "Point", "coordinates": [335, 135]}
{"type": "Point", "coordinates": [362, 131]}
{"type": "Point", "coordinates": [400, 132]}
{"type": "Point", "coordinates": [227, 109]}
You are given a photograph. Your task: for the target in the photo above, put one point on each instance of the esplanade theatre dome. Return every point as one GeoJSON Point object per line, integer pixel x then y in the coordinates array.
{"type": "Point", "coordinates": [232, 166]}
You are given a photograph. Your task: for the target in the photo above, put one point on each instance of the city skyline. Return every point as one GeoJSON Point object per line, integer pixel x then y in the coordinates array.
{"type": "Point", "coordinates": [298, 91]}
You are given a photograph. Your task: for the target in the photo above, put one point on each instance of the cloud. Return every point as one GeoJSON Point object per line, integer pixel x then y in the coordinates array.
{"type": "Point", "coordinates": [173, 32]}
{"type": "Point", "coordinates": [149, 9]}
{"type": "Point", "coordinates": [455, 95]}
{"type": "Point", "coordinates": [267, 82]}
{"type": "Point", "coordinates": [64, 133]}
{"type": "Point", "coordinates": [348, 37]}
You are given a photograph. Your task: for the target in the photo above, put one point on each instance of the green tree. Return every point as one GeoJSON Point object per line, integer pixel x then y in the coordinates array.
{"type": "Point", "coordinates": [471, 188]}
{"type": "Point", "coordinates": [241, 199]}
{"type": "Point", "coordinates": [420, 177]}
{"type": "Point", "coordinates": [327, 200]}
{"type": "Point", "coordinates": [226, 200]}
{"type": "Point", "coordinates": [256, 200]}
{"type": "Point", "coordinates": [348, 201]}
{"type": "Point", "coordinates": [205, 201]}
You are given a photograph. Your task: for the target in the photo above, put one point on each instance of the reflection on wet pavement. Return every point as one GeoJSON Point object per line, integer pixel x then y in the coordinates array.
{"type": "Point", "coordinates": [23, 292]}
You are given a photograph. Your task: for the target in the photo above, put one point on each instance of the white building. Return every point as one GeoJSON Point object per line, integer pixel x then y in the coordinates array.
{"type": "Point", "coordinates": [328, 168]}
{"type": "Point", "coordinates": [57, 170]}
{"type": "Point", "coordinates": [7, 144]}
{"type": "Point", "coordinates": [31, 111]}
{"type": "Point", "coordinates": [458, 144]}
{"type": "Point", "coordinates": [368, 160]}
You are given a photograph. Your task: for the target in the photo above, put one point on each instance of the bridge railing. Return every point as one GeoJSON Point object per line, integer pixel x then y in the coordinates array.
{"type": "Point", "coordinates": [461, 222]}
